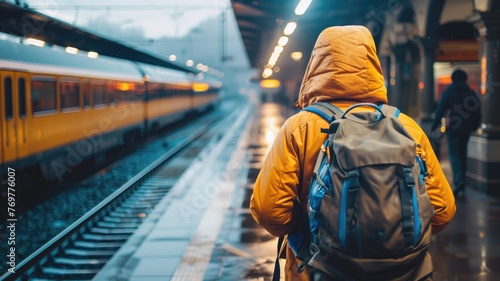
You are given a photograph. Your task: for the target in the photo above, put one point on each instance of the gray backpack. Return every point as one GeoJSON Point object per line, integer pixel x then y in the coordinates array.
{"type": "Point", "coordinates": [368, 208]}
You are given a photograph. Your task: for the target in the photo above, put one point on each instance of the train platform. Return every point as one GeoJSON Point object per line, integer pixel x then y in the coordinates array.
{"type": "Point", "coordinates": [203, 229]}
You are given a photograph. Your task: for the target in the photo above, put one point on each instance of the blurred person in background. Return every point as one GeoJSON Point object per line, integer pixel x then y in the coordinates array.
{"type": "Point", "coordinates": [461, 107]}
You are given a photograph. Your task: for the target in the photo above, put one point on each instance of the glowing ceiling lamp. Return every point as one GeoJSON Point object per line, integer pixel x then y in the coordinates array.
{"type": "Point", "coordinates": [289, 28]}
{"type": "Point", "coordinates": [296, 56]}
{"type": "Point", "coordinates": [302, 7]}
{"type": "Point", "coordinates": [282, 41]}
{"type": "Point", "coordinates": [35, 42]}
{"type": "Point", "coordinates": [267, 72]}
{"type": "Point", "coordinates": [71, 50]}
{"type": "Point", "coordinates": [92, 55]}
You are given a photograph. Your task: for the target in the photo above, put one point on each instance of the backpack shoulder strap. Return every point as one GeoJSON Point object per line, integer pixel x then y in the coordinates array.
{"type": "Point", "coordinates": [389, 110]}
{"type": "Point", "coordinates": [326, 110]}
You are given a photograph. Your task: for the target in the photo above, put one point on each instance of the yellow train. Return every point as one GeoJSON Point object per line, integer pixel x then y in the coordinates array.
{"type": "Point", "coordinates": [58, 109]}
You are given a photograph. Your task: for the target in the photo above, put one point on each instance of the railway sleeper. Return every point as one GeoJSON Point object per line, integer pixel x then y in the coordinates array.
{"type": "Point", "coordinates": [103, 230]}
{"type": "Point", "coordinates": [159, 182]}
{"type": "Point", "coordinates": [152, 191]}
{"type": "Point", "coordinates": [98, 245]}
{"type": "Point", "coordinates": [122, 220]}
{"type": "Point", "coordinates": [101, 237]}
{"type": "Point", "coordinates": [118, 224]}
{"type": "Point", "coordinates": [136, 205]}
{"type": "Point", "coordinates": [70, 274]}
{"type": "Point", "coordinates": [126, 214]}
{"type": "Point", "coordinates": [124, 208]}
{"type": "Point", "coordinates": [65, 262]}
{"type": "Point", "coordinates": [85, 253]}
{"type": "Point", "coordinates": [149, 195]}
{"type": "Point", "coordinates": [155, 183]}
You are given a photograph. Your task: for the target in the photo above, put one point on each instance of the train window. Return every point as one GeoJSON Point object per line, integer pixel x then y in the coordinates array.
{"type": "Point", "coordinates": [112, 95]}
{"type": "Point", "coordinates": [43, 94]}
{"type": "Point", "coordinates": [99, 94]}
{"type": "Point", "coordinates": [21, 85]}
{"type": "Point", "coordinates": [7, 84]}
{"type": "Point", "coordinates": [140, 88]}
{"type": "Point", "coordinates": [70, 94]}
{"type": "Point", "coordinates": [121, 92]}
{"type": "Point", "coordinates": [152, 91]}
{"type": "Point", "coordinates": [86, 94]}
{"type": "Point", "coordinates": [168, 90]}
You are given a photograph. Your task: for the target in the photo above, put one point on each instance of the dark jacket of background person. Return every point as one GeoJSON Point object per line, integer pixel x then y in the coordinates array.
{"type": "Point", "coordinates": [462, 109]}
{"type": "Point", "coordinates": [344, 69]}
{"type": "Point", "coordinates": [460, 105]}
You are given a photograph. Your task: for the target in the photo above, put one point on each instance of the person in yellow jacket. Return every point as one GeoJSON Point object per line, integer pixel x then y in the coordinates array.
{"type": "Point", "coordinates": [343, 69]}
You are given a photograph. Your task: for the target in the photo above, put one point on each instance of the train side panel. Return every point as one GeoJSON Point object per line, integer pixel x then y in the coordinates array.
{"type": "Point", "coordinates": [206, 92]}
{"type": "Point", "coordinates": [61, 138]}
{"type": "Point", "coordinates": [204, 100]}
{"type": "Point", "coordinates": [166, 103]}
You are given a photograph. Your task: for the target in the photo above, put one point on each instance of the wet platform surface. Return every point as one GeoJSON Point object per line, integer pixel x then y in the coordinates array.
{"type": "Point", "coordinates": [223, 242]}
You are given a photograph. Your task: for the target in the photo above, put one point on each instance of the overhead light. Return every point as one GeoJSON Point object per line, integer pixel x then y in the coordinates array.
{"type": "Point", "coordinates": [92, 55]}
{"type": "Point", "coordinates": [302, 7]}
{"type": "Point", "coordinates": [72, 50]}
{"type": "Point", "coordinates": [296, 56]}
{"type": "Point", "coordinates": [267, 72]}
{"type": "Point", "coordinates": [199, 66]}
{"type": "Point", "coordinates": [270, 83]}
{"type": "Point", "coordinates": [283, 40]}
{"type": "Point", "coordinates": [189, 62]}
{"type": "Point", "coordinates": [35, 42]}
{"type": "Point", "coordinates": [200, 87]}
{"type": "Point", "coordinates": [172, 58]}
{"type": "Point", "coordinates": [289, 28]}
{"type": "Point", "coordinates": [278, 49]}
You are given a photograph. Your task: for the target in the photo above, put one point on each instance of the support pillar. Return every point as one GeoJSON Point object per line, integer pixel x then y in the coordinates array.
{"type": "Point", "coordinates": [397, 80]}
{"type": "Point", "coordinates": [483, 159]}
{"type": "Point", "coordinates": [428, 47]}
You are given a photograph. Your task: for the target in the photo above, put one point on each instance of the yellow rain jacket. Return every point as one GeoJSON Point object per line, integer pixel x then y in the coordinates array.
{"type": "Point", "coordinates": [343, 69]}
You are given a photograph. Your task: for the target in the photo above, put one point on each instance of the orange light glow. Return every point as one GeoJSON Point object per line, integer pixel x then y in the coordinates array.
{"type": "Point", "coordinates": [421, 85]}
{"type": "Point", "coordinates": [270, 83]}
{"type": "Point", "coordinates": [200, 87]}
{"type": "Point", "coordinates": [484, 75]}
{"type": "Point", "coordinates": [445, 79]}
{"type": "Point", "coordinates": [124, 86]}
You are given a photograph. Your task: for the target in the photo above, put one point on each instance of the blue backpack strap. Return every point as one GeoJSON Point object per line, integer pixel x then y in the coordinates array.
{"type": "Point", "coordinates": [389, 110]}
{"type": "Point", "coordinates": [408, 199]}
{"type": "Point", "coordinates": [325, 110]}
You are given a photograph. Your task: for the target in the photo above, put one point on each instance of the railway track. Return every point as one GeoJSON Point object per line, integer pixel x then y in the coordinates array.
{"type": "Point", "coordinates": [82, 249]}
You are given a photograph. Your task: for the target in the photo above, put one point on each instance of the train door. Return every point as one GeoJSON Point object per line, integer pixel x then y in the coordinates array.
{"type": "Point", "coordinates": [21, 89]}
{"type": "Point", "coordinates": [13, 117]}
{"type": "Point", "coordinates": [9, 138]}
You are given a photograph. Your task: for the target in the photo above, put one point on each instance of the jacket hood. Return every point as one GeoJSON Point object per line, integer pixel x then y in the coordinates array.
{"type": "Point", "coordinates": [344, 66]}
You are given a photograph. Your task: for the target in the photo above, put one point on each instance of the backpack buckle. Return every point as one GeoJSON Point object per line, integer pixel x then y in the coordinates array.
{"type": "Point", "coordinates": [409, 180]}
{"type": "Point", "coordinates": [352, 180]}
